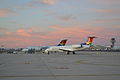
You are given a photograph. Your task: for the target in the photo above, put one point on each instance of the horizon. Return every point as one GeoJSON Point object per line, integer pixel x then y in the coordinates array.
{"type": "Point", "coordinates": [45, 22]}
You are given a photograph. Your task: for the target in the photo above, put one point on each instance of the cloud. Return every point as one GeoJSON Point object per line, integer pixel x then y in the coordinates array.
{"type": "Point", "coordinates": [23, 32]}
{"type": "Point", "coordinates": [14, 41]}
{"type": "Point", "coordinates": [5, 12]}
{"type": "Point", "coordinates": [36, 4]}
{"type": "Point", "coordinates": [8, 33]}
{"type": "Point", "coordinates": [60, 32]}
{"type": "Point", "coordinates": [107, 11]}
{"type": "Point", "coordinates": [75, 34]}
{"type": "Point", "coordinates": [67, 18]}
{"type": "Point", "coordinates": [79, 33]}
{"type": "Point", "coordinates": [105, 2]}
{"type": "Point", "coordinates": [20, 33]}
{"type": "Point", "coordinates": [108, 20]}
{"type": "Point", "coordinates": [117, 27]}
{"type": "Point", "coordinates": [47, 2]}
{"type": "Point", "coordinates": [2, 29]}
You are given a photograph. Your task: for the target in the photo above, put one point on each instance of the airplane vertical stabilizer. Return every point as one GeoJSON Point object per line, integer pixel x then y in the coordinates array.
{"type": "Point", "coordinates": [62, 43]}
{"type": "Point", "coordinates": [90, 40]}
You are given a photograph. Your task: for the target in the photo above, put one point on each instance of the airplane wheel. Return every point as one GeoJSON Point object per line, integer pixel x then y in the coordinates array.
{"type": "Point", "coordinates": [73, 52]}
{"type": "Point", "coordinates": [68, 53]}
{"type": "Point", "coordinates": [48, 53]}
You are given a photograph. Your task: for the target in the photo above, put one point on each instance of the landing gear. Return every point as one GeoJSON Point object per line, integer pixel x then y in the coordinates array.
{"type": "Point", "coordinates": [68, 52]}
{"type": "Point", "coordinates": [48, 53]}
{"type": "Point", "coordinates": [73, 52]}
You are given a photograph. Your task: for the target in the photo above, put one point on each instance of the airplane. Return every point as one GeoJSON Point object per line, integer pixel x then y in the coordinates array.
{"type": "Point", "coordinates": [71, 48]}
{"type": "Point", "coordinates": [39, 48]}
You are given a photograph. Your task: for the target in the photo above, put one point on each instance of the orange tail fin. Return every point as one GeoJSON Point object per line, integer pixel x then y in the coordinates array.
{"type": "Point", "coordinates": [89, 41]}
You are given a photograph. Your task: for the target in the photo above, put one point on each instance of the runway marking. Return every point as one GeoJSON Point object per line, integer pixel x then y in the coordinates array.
{"type": "Point", "coordinates": [59, 75]}
{"type": "Point", "coordinates": [84, 62]}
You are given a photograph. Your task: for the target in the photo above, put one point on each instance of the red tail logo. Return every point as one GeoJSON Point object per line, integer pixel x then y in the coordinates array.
{"type": "Point", "coordinates": [90, 39]}
{"type": "Point", "coordinates": [63, 42]}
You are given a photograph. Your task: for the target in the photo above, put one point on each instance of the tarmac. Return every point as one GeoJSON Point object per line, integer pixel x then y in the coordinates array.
{"type": "Point", "coordinates": [60, 66]}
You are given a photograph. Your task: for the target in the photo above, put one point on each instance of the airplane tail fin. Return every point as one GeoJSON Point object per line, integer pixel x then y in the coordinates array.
{"type": "Point", "coordinates": [62, 43]}
{"type": "Point", "coordinates": [89, 41]}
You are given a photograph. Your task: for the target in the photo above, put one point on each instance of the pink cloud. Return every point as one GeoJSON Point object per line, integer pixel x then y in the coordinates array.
{"type": "Point", "coordinates": [79, 34]}
{"type": "Point", "coordinates": [23, 32]}
{"type": "Point", "coordinates": [73, 30]}
{"type": "Point", "coordinates": [74, 34]}
{"type": "Point", "coordinates": [8, 33]}
{"type": "Point", "coordinates": [5, 12]}
{"type": "Point", "coordinates": [14, 41]}
{"type": "Point", "coordinates": [117, 27]}
{"type": "Point", "coordinates": [28, 38]}
{"type": "Point", "coordinates": [107, 11]}
{"type": "Point", "coordinates": [48, 2]}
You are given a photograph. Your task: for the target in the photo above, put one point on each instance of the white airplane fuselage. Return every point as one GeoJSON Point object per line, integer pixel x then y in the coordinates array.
{"type": "Point", "coordinates": [67, 48]}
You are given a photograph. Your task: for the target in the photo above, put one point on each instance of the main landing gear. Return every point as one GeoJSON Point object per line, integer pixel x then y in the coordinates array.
{"type": "Point", "coordinates": [73, 52]}
{"type": "Point", "coordinates": [48, 53]}
{"type": "Point", "coordinates": [69, 52]}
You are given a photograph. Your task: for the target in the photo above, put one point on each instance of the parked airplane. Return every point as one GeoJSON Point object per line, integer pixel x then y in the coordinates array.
{"type": "Point", "coordinates": [71, 48]}
{"type": "Point", "coordinates": [62, 43]}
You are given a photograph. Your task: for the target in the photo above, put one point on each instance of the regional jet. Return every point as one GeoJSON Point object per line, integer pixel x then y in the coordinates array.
{"type": "Point", "coordinates": [71, 48]}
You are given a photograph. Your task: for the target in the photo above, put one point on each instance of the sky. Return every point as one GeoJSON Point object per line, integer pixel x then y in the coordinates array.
{"type": "Point", "coordinates": [45, 22]}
